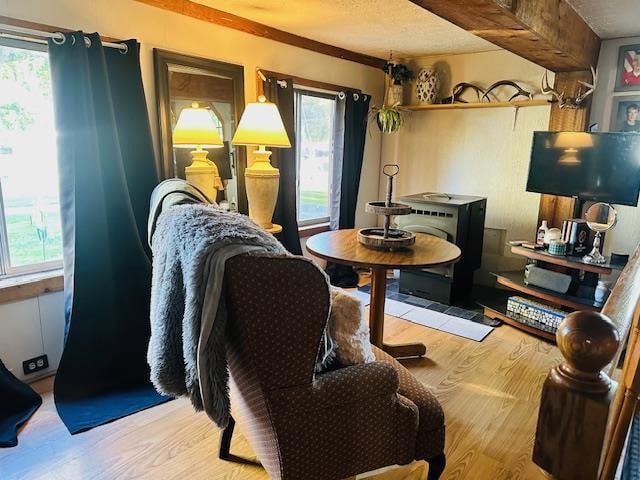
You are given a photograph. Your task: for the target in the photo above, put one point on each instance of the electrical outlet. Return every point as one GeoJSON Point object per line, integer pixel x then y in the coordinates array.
{"type": "Point", "coordinates": [35, 364]}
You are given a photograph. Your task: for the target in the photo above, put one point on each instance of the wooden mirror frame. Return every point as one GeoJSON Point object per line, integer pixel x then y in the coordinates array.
{"type": "Point", "coordinates": [162, 59]}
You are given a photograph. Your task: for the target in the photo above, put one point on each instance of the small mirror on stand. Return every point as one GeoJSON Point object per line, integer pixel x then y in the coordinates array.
{"type": "Point", "coordinates": [600, 218]}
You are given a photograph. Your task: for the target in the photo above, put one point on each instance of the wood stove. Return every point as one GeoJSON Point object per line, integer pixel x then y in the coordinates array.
{"type": "Point", "coordinates": [458, 219]}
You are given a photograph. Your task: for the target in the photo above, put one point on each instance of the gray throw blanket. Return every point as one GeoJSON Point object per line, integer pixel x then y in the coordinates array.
{"type": "Point", "coordinates": [187, 351]}
{"type": "Point", "coordinates": [170, 192]}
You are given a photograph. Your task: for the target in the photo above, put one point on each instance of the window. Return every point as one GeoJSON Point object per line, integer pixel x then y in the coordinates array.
{"type": "Point", "coordinates": [315, 115]}
{"type": "Point", "coordinates": [30, 232]}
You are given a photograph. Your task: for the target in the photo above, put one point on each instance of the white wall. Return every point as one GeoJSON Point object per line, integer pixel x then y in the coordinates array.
{"type": "Point", "coordinates": [156, 28]}
{"type": "Point", "coordinates": [625, 236]}
{"type": "Point", "coordinates": [474, 152]}
{"type": "Point", "coordinates": [30, 328]}
{"type": "Point", "coordinates": [20, 334]}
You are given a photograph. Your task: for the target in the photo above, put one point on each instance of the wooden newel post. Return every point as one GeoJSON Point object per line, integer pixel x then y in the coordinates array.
{"type": "Point", "coordinates": [576, 397]}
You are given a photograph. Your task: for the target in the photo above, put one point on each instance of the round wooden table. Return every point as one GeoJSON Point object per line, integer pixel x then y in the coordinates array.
{"type": "Point", "coordinates": [342, 246]}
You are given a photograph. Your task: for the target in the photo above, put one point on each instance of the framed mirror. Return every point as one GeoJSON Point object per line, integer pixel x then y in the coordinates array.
{"type": "Point", "coordinates": [218, 87]}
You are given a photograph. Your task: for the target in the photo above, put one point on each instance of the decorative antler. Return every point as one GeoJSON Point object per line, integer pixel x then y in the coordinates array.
{"type": "Point", "coordinates": [459, 89]}
{"type": "Point", "coordinates": [547, 89]}
{"type": "Point", "coordinates": [590, 86]}
{"type": "Point", "coordinates": [570, 102]}
{"type": "Point", "coordinates": [519, 90]}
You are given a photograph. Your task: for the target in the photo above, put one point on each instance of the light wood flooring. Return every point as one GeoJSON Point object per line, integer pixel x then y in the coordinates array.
{"type": "Point", "coordinates": [489, 392]}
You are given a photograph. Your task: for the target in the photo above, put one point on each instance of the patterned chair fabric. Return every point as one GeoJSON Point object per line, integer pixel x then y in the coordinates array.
{"type": "Point", "coordinates": [311, 426]}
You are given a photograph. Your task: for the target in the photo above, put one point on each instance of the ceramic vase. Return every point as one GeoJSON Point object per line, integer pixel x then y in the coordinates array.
{"type": "Point", "coordinates": [603, 290]}
{"type": "Point", "coordinates": [428, 84]}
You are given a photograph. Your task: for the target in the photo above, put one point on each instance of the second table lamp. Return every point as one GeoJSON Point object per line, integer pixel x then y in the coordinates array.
{"type": "Point", "coordinates": [261, 125]}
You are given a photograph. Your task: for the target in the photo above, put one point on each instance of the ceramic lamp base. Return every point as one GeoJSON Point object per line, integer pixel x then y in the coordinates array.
{"type": "Point", "coordinates": [262, 182]}
{"type": "Point", "coordinates": [203, 173]}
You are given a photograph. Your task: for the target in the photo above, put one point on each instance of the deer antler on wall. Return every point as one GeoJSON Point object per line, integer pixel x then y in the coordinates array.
{"type": "Point", "coordinates": [459, 89]}
{"type": "Point", "coordinates": [519, 91]}
{"type": "Point", "coordinates": [570, 102]}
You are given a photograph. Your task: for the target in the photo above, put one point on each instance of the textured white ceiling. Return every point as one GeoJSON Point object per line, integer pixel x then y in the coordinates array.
{"type": "Point", "coordinates": [610, 18]}
{"type": "Point", "coordinates": [373, 27]}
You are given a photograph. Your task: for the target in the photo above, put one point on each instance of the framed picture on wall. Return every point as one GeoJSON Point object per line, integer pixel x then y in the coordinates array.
{"type": "Point", "coordinates": [628, 72]}
{"type": "Point", "coordinates": [625, 114]}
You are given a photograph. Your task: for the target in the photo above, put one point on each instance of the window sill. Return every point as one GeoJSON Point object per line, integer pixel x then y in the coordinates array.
{"type": "Point", "coordinates": [30, 285]}
{"type": "Point", "coordinates": [310, 230]}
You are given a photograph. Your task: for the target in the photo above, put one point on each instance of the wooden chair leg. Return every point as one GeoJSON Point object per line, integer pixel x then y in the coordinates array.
{"type": "Point", "coordinates": [225, 440]}
{"type": "Point", "coordinates": [436, 467]}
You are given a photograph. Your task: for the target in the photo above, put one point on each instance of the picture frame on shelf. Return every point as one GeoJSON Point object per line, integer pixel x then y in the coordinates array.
{"type": "Point", "coordinates": [625, 114]}
{"type": "Point", "coordinates": [628, 69]}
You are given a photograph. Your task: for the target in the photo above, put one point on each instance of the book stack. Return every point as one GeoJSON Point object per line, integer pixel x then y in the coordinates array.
{"type": "Point", "coordinates": [538, 312]}
{"type": "Point", "coordinates": [576, 235]}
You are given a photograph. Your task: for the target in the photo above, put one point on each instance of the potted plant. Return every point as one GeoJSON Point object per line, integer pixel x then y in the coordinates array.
{"type": "Point", "coordinates": [388, 117]}
{"type": "Point", "coordinates": [399, 74]}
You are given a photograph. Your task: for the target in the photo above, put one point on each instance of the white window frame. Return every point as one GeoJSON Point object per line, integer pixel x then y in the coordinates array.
{"type": "Point", "coordinates": [6, 270]}
{"type": "Point", "coordinates": [298, 93]}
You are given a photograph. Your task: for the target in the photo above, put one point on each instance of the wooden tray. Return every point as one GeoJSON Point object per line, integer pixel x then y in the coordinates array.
{"type": "Point", "coordinates": [380, 208]}
{"type": "Point", "coordinates": [374, 238]}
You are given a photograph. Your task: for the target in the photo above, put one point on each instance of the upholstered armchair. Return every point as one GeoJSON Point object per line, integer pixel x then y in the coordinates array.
{"type": "Point", "coordinates": [308, 426]}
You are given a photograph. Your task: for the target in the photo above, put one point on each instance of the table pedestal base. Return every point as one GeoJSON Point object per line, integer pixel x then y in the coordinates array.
{"type": "Point", "coordinates": [376, 319]}
{"type": "Point", "coordinates": [402, 350]}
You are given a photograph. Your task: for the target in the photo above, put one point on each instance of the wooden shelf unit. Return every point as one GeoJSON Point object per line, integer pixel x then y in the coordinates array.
{"type": "Point", "coordinates": [565, 261]}
{"type": "Point", "coordinates": [515, 281]}
{"type": "Point", "coordinates": [458, 106]}
{"type": "Point", "coordinates": [517, 321]}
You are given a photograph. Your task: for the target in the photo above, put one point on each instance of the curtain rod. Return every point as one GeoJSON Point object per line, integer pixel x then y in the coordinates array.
{"type": "Point", "coordinates": [341, 94]}
{"type": "Point", "coordinates": [262, 75]}
{"type": "Point", "coordinates": [28, 34]}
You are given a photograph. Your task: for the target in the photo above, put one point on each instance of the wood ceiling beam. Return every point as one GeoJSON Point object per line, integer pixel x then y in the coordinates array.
{"type": "Point", "coordinates": [547, 32]}
{"type": "Point", "coordinates": [218, 17]}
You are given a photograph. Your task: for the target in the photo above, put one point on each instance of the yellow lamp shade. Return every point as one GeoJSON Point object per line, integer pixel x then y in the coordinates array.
{"type": "Point", "coordinates": [196, 127]}
{"type": "Point", "coordinates": [261, 124]}
{"type": "Point", "coordinates": [570, 142]}
{"type": "Point", "coordinates": [573, 140]}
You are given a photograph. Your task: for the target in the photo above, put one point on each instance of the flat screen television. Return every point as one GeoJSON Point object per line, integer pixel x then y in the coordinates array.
{"type": "Point", "coordinates": [603, 167]}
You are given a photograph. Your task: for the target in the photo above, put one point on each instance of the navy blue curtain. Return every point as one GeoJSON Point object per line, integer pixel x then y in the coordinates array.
{"type": "Point", "coordinates": [284, 159]}
{"type": "Point", "coordinates": [18, 402]}
{"type": "Point", "coordinates": [355, 129]}
{"type": "Point", "coordinates": [107, 172]}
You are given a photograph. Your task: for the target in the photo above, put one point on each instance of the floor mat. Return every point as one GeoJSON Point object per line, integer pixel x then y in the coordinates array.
{"type": "Point", "coordinates": [393, 293]}
{"type": "Point", "coordinates": [448, 323]}
{"type": "Point", "coordinates": [455, 320]}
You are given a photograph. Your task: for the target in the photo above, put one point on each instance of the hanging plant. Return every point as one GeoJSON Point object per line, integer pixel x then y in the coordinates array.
{"type": "Point", "coordinates": [389, 118]}
{"type": "Point", "coordinates": [399, 73]}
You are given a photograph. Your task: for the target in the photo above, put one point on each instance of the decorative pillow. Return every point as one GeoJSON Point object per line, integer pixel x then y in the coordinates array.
{"type": "Point", "coordinates": [349, 330]}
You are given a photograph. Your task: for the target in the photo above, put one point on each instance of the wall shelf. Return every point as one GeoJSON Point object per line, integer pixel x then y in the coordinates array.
{"type": "Point", "coordinates": [457, 106]}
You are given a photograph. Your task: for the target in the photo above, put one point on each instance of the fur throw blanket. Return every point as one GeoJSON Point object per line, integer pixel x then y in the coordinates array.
{"type": "Point", "coordinates": [187, 351]}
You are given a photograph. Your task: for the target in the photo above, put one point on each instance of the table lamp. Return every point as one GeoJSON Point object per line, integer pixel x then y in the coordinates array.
{"type": "Point", "coordinates": [261, 125]}
{"type": "Point", "coordinates": [570, 142]}
{"type": "Point", "coordinates": [196, 129]}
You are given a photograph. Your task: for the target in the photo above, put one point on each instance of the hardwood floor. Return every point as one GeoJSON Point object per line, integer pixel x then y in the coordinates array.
{"type": "Point", "coordinates": [489, 392]}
